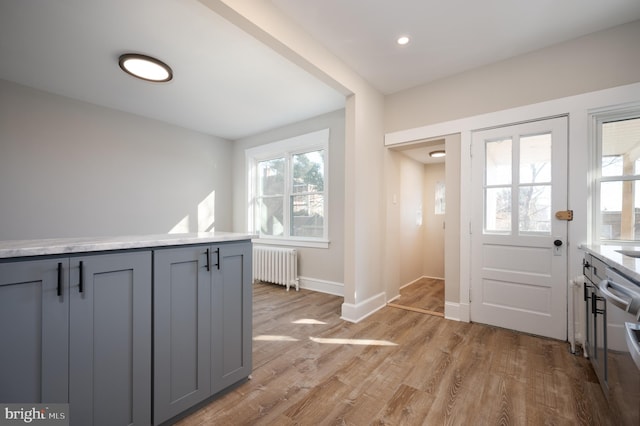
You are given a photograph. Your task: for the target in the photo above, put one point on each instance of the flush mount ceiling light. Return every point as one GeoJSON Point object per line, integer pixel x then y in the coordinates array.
{"type": "Point", "coordinates": [402, 40]}
{"type": "Point", "coordinates": [437, 154]}
{"type": "Point", "coordinates": [145, 67]}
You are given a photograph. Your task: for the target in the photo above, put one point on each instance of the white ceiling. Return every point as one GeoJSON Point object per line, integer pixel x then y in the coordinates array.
{"type": "Point", "coordinates": [419, 151]}
{"type": "Point", "coordinates": [447, 37]}
{"type": "Point", "coordinates": [228, 84]}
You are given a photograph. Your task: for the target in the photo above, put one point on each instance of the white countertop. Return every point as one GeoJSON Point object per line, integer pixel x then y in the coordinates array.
{"type": "Point", "coordinates": [629, 266]}
{"type": "Point", "coordinates": [21, 248]}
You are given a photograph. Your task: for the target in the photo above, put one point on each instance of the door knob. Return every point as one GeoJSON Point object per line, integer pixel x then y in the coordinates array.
{"type": "Point", "coordinates": [557, 243]}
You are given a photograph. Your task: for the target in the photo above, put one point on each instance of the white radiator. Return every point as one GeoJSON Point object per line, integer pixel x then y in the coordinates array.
{"type": "Point", "coordinates": [276, 265]}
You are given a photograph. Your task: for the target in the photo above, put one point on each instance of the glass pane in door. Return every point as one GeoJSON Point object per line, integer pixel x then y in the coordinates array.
{"type": "Point", "coordinates": [498, 180]}
{"type": "Point", "coordinates": [534, 209]}
{"type": "Point", "coordinates": [497, 210]}
{"type": "Point", "coordinates": [498, 162]}
{"type": "Point", "coordinates": [535, 159]}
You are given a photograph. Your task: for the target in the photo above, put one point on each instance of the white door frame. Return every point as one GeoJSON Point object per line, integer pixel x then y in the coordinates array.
{"type": "Point", "coordinates": [577, 108]}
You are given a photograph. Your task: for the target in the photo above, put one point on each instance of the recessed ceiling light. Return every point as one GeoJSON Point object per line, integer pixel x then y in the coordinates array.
{"type": "Point", "coordinates": [437, 154]}
{"type": "Point", "coordinates": [402, 40]}
{"type": "Point", "coordinates": [145, 67]}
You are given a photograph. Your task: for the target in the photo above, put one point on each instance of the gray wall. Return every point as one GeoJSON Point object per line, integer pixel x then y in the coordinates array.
{"type": "Point", "coordinates": [69, 168]}
{"type": "Point", "coordinates": [316, 264]}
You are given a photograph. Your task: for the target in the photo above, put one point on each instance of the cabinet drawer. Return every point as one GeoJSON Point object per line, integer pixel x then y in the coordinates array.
{"type": "Point", "coordinates": [598, 270]}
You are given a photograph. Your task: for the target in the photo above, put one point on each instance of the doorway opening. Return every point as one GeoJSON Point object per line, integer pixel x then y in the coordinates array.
{"type": "Point", "coordinates": [418, 210]}
{"type": "Point", "coordinates": [425, 296]}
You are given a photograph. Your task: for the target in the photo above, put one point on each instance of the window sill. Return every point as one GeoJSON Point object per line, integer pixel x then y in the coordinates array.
{"type": "Point", "coordinates": [323, 244]}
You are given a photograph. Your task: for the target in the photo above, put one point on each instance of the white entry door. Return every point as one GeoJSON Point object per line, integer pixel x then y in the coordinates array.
{"type": "Point", "coordinates": [519, 247]}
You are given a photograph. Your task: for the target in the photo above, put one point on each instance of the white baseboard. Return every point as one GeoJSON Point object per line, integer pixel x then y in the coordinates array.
{"type": "Point", "coordinates": [394, 298]}
{"type": "Point", "coordinates": [322, 286]}
{"type": "Point", "coordinates": [418, 279]}
{"type": "Point", "coordinates": [358, 312]}
{"type": "Point", "coordinates": [433, 278]}
{"type": "Point", "coordinates": [456, 311]}
{"type": "Point", "coordinates": [411, 282]}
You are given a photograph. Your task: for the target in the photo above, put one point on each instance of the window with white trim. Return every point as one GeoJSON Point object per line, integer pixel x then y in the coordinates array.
{"type": "Point", "coordinates": [288, 189]}
{"type": "Point", "coordinates": [617, 182]}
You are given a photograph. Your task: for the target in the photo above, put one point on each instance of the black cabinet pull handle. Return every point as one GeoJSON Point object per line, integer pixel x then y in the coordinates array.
{"type": "Point", "coordinates": [81, 283]}
{"type": "Point", "coordinates": [602, 311]}
{"type": "Point", "coordinates": [59, 278]}
{"type": "Point", "coordinates": [585, 291]}
{"type": "Point", "coordinates": [208, 260]}
{"type": "Point", "coordinates": [218, 256]}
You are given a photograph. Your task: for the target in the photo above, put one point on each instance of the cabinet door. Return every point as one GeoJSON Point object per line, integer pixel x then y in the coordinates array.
{"type": "Point", "coordinates": [182, 326]}
{"type": "Point", "coordinates": [232, 314]}
{"type": "Point", "coordinates": [110, 339]}
{"type": "Point", "coordinates": [34, 323]}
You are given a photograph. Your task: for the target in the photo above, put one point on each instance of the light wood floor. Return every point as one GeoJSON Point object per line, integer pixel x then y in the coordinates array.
{"type": "Point", "coordinates": [399, 368]}
{"type": "Point", "coordinates": [425, 295]}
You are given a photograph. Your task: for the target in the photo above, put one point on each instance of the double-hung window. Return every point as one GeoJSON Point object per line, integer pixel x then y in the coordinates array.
{"type": "Point", "coordinates": [617, 183]}
{"type": "Point", "coordinates": [288, 190]}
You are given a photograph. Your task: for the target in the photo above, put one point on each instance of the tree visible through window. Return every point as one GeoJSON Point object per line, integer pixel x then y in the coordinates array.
{"type": "Point", "coordinates": [289, 192]}
{"type": "Point", "coordinates": [528, 190]}
{"type": "Point", "coordinates": [307, 198]}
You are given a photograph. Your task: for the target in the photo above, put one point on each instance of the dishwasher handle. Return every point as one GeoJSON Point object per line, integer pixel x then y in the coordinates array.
{"type": "Point", "coordinates": [622, 303]}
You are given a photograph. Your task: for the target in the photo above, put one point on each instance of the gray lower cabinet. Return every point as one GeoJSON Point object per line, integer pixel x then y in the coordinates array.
{"type": "Point", "coordinates": [78, 330]}
{"type": "Point", "coordinates": [34, 329]}
{"type": "Point", "coordinates": [182, 329]}
{"type": "Point", "coordinates": [231, 342]}
{"type": "Point", "coordinates": [202, 323]}
{"type": "Point", "coordinates": [110, 339]}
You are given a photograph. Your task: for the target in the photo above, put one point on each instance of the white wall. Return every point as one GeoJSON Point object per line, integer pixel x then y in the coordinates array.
{"type": "Point", "coordinates": [364, 266]}
{"type": "Point", "coordinates": [597, 61]}
{"type": "Point", "coordinates": [404, 242]}
{"type": "Point", "coordinates": [411, 235]}
{"type": "Point", "coordinates": [434, 224]}
{"type": "Point", "coordinates": [452, 235]}
{"type": "Point", "coordinates": [321, 269]}
{"type": "Point", "coordinates": [70, 169]}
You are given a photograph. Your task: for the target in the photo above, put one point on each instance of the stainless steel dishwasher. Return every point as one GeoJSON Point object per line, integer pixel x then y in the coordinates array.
{"type": "Point", "coordinates": [621, 297]}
